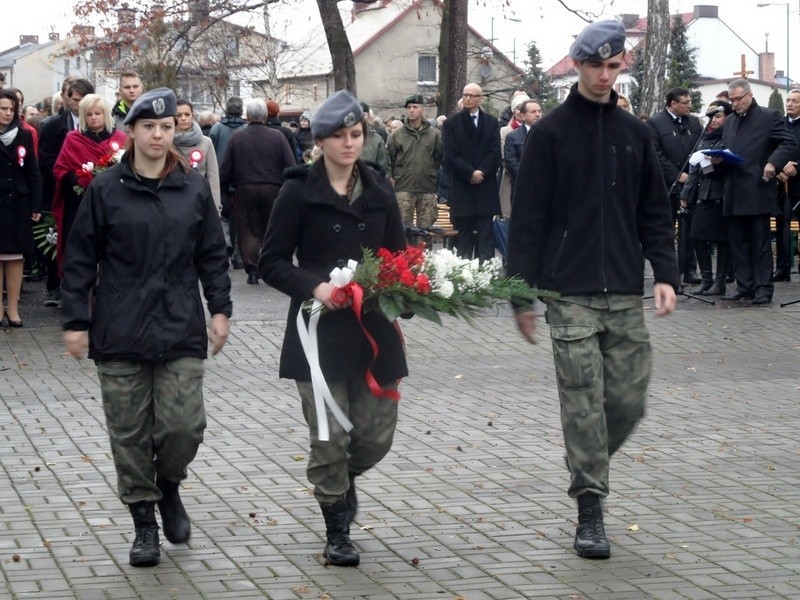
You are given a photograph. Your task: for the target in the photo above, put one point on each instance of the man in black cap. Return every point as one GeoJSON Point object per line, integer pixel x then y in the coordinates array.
{"type": "Point", "coordinates": [415, 154]}
{"type": "Point", "coordinates": [675, 134]}
{"type": "Point", "coordinates": [589, 206]}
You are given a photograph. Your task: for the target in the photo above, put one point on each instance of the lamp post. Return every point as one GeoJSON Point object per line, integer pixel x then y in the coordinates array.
{"type": "Point", "coordinates": [786, 4]}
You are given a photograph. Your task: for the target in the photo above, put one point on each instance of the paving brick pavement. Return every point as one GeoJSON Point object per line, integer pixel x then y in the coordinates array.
{"type": "Point", "coordinates": [704, 502]}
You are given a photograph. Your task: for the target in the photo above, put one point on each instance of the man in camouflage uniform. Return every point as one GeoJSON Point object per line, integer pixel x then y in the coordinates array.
{"type": "Point", "coordinates": [589, 206]}
{"type": "Point", "coordinates": [415, 155]}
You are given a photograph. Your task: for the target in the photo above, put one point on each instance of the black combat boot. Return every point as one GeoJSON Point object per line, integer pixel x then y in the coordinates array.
{"type": "Point", "coordinates": [339, 550]}
{"type": "Point", "coordinates": [177, 527]}
{"type": "Point", "coordinates": [590, 538]}
{"type": "Point", "coordinates": [351, 500]}
{"type": "Point", "coordinates": [145, 551]}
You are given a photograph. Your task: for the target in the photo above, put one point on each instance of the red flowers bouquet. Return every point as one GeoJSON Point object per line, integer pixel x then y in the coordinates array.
{"type": "Point", "coordinates": [428, 283]}
{"type": "Point", "coordinates": [90, 170]}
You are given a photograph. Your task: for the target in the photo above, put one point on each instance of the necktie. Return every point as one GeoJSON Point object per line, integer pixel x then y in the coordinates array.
{"type": "Point", "coordinates": [475, 121]}
{"type": "Point", "coordinates": [678, 120]}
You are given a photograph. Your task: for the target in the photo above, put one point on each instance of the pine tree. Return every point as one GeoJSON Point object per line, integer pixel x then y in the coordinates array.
{"type": "Point", "coordinates": [636, 71]}
{"type": "Point", "coordinates": [776, 101]}
{"type": "Point", "coordinates": [536, 81]}
{"type": "Point", "coordinates": [681, 66]}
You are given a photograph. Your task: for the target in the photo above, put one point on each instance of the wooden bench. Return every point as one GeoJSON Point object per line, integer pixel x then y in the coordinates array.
{"type": "Point", "coordinates": [442, 229]}
{"type": "Point", "coordinates": [794, 225]}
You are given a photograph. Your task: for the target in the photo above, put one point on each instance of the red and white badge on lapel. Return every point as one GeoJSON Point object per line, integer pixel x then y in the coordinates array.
{"type": "Point", "coordinates": [21, 153]}
{"type": "Point", "coordinates": [195, 158]}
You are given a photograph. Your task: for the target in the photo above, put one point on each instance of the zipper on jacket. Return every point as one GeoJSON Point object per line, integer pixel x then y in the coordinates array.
{"type": "Point", "coordinates": [561, 246]}
{"type": "Point", "coordinates": [602, 202]}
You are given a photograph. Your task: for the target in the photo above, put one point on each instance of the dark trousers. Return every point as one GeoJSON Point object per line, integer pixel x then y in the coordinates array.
{"type": "Point", "coordinates": [480, 246]}
{"type": "Point", "coordinates": [703, 250]}
{"type": "Point", "coordinates": [251, 209]}
{"type": "Point", "coordinates": [749, 238]}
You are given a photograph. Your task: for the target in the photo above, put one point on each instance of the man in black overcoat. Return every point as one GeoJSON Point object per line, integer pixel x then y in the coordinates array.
{"type": "Point", "coordinates": [471, 141]}
{"type": "Point", "coordinates": [761, 138]}
{"type": "Point", "coordinates": [788, 196]}
{"type": "Point", "coordinates": [675, 133]}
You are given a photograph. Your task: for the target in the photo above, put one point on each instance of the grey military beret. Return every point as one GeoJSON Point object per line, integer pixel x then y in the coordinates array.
{"type": "Point", "coordinates": [155, 104]}
{"type": "Point", "coordinates": [341, 109]}
{"type": "Point", "coordinates": [599, 41]}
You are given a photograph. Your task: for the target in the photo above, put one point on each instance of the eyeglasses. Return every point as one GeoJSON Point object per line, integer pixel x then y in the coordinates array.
{"type": "Point", "coordinates": [687, 101]}
{"type": "Point", "coordinates": [473, 96]}
{"type": "Point", "coordinates": [739, 98]}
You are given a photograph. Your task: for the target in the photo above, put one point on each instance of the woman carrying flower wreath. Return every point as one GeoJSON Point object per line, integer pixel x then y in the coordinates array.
{"type": "Point", "coordinates": [326, 214]}
{"type": "Point", "coordinates": [95, 141]}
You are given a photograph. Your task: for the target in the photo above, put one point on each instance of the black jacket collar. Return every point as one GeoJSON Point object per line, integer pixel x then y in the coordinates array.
{"type": "Point", "coordinates": [580, 102]}
{"type": "Point", "coordinates": [318, 190]}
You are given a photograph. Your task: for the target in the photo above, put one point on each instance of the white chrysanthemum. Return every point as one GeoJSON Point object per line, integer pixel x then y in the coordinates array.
{"type": "Point", "coordinates": [446, 289]}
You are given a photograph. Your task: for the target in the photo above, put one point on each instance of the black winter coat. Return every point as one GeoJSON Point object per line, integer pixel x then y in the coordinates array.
{"type": "Point", "coordinates": [590, 203]}
{"type": "Point", "coordinates": [467, 149]}
{"type": "Point", "coordinates": [794, 182]}
{"type": "Point", "coordinates": [673, 144]}
{"type": "Point", "coordinates": [52, 134]}
{"type": "Point", "coordinates": [325, 231]}
{"type": "Point", "coordinates": [152, 248]}
{"type": "Point", "coordinates": [20, 193]}
{"type": "Point", "coordinates": [759, 136]}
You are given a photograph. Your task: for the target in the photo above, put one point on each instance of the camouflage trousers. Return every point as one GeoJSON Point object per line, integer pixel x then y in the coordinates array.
{"type": "Point", "coordinates": [424, 205]}
{"type": "Point", "coordinates": [155, 417]}
{"type": "Point", "coordinates": [603, 359]}
{"type": "Point", "coordinates": [374, 421]}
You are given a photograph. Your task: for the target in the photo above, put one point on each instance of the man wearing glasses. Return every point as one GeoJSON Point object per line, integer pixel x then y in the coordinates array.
{"type": "Point", "coordinates": [761, 138]}
{"type": "Point", "coordinates": [471, 142]}
{"type": "Point", "coordinates": [675, 133]}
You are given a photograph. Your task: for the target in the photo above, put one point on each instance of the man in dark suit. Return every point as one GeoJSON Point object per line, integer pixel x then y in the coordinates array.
{"type": "Point", "coordinates": [471, 141]}
{"type": "Point", "coordinates": [761, 138]}
{"type": "Point", "coordinates": [675, 133]}
{"type": "Point", "coordinates": [788, 196]}
{"type": "Point", "coordinates": [53, 131]}
{"type": "Point", "coordinates": [530, 111]}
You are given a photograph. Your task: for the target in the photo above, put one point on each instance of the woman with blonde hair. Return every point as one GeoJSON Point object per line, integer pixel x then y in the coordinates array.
{"type": "Point", "coordinates": [95, 140]}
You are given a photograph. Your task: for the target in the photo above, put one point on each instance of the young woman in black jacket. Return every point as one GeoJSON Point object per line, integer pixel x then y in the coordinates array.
{"type": "Point", "coordinates": [146, 233]}
{"type": "Point", "coordinates": [325, 215]}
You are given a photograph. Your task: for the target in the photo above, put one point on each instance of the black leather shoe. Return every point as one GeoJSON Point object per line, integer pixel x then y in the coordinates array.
{"type": "Point", "coordinates": [736, 296]}
{"type": "Point", "coordinates": [762, 299]}
{"type": "Point", "coordinates": [680, 291]}
{"type": "Point", "coordinates": [177, 528]}
{"type": "Point", "coordinates": [691, 278]}
{"type": "Point", "coordinates": [237, 264]}
{"type": "Point", "coordinates": [781, 275]}
{"type": "Point", "coordinates": [252, 279]}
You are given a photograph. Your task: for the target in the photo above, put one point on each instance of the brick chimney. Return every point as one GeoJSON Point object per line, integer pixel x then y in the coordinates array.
{"type": "Point", "coordinates": [706, 11]}
{"type": "Point", "coordinates": [53, 36]}
{"type": "Point", "coordinates": [28, 39]}
{"type": "Point", "coordinates": [766, 66]}
{"type": "Point", "coordinates": [126, 19]}
{"type": "Point", "coordinates": [198, 10]}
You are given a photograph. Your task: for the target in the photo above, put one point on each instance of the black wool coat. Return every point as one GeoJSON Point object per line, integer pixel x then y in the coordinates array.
{"type": "Point", "coordinates": [20, 193]}
{"type": "Point", "coordinates": [759, 136]}
{"type": "Point", "coordinates": [53, 132]}
{"type": "Point", "coordinates": [311, 220]}
{"type": "Point", "coordinates": [673, 144]}
{"type": "Point", "coordinates": [467, 149]}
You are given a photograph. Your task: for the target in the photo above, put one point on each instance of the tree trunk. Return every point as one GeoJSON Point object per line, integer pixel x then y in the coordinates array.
{"type": "Point", "coordinates": [655, 56]}
{"type": "Point", "coordinates": [272, 50]}
{"type": "Point", "coordinates": [452, 54]}
{"type": "Point", "coordinates": [344, 67]}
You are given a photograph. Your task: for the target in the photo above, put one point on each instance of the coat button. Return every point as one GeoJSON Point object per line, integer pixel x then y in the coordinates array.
{"type": "Point", "coordinates": [340, 263]}
{"type": "Point", "coordinates": [362, 226]}
{"type": "Point", "coordinates": [337, 228]}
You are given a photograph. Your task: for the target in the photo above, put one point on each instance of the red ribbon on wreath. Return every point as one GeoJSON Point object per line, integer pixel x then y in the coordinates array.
{"type": "Point", "coordinates": [355, 293]}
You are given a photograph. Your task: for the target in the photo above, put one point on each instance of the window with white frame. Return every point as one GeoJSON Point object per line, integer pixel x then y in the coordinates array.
{"type": "Point", "coordinates": [427, 69]}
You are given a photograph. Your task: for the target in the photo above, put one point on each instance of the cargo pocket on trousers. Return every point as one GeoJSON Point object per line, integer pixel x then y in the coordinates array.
{"type": "Point", "coordinates": [574, 353]}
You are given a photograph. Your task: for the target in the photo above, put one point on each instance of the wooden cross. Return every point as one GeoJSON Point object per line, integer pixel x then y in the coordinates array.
{"type": "Point", "coordinates": [744, 72]}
